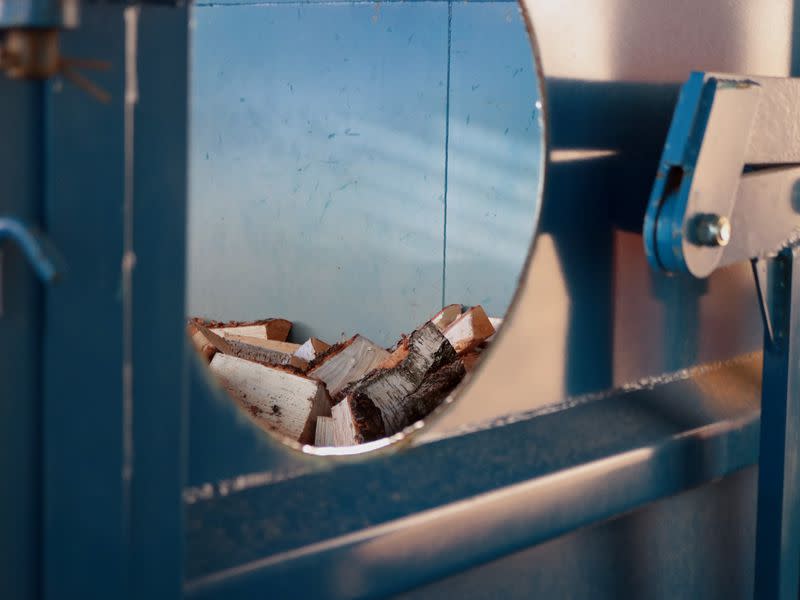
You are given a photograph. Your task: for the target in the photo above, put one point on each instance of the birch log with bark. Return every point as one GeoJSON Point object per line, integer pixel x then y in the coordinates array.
{"type": "Point", "coordinates": [387, 400]}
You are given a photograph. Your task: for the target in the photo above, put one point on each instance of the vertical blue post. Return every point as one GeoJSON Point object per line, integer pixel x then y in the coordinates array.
{"type": "Point", "coordinates": [20, 345]}
{"type": "Point", "coordinates": [778, 528]}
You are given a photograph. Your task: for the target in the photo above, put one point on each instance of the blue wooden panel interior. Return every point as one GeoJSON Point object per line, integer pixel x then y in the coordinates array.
{"type": "Point", "coordinates": [318, 163]}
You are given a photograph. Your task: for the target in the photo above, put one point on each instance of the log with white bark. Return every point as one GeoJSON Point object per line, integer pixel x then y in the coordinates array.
{"type": "Point", "coordinates": [346, 362]}
{"type": "Point", "coordinates": [469, 330]}
{"type": "Point", "coordinates": [311, 349]}
{"type": "Point", "coordinates": [389, 399]}
{"type": "Point", "coordinates": [446, 316]}
{"type": "Point", "coordinates": [276, 399]}
{"type": "Point", "coordinates": [325, 432]}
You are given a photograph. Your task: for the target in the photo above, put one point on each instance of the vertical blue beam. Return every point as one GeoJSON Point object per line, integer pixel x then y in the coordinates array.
{"type": "Point", "coordinates": [159, 241]}
{"type": "Point", "coordinates": [778, 528]}
{"type": "Point", "coordinates": [20, 327]}
{"type": "Point", "coordinates": [85, 548]}
{"type": "Point", "coordinates": [114, 456]}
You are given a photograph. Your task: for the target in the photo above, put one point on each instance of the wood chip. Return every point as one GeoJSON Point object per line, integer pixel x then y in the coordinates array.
{"type": "Point", "coordinates": [276, 399]}
{"type": "Point", "coordinates": [311, 349]}
{"type": "Point", "coordinates": [469, 330]}
{"type": "Point", "coordinates": [346, 362]}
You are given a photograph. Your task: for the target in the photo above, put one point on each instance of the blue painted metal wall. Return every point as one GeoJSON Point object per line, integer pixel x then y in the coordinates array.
{"type": "Point", "coordinates": [385, 152]}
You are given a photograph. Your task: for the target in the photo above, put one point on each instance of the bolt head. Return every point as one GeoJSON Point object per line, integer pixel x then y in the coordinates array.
{"type": "Point", "coordinates": [712, 230]}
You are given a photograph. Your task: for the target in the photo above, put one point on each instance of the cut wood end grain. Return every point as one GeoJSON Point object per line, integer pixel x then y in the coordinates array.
{"type": "Point", "coordinates": [346, 362]}
{"type": "Point", "coordinates": [446, 316]}
{"type": "Point", "coordinates": [470, 329]}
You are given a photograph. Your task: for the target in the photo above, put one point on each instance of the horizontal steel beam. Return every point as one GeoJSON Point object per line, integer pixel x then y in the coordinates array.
{"type": "Point", "coordinates": [435, 509]}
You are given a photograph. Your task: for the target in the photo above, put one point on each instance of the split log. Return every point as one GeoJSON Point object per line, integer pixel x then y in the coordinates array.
{"type": "Point", "coordinates": [276, 399]}
{"type": "Point", "coordinates": [268, 329]}
{"type": "Point", "coordinates": [446, 316]}
{"type": "Point", "coordinates": [469, 330]}
{"type": "Point", "coordinates": [346, 362]}
{"type": "Point", "coordinates": [283, 347]}
{"type": "Point", "coordinates": [324, 435]}
{"type": "Point", "coordinates": [253, 349]}
{"type": "Point", "coordinates": [311, 349]}
{"type": "Point", "coordinates": [387, 400]}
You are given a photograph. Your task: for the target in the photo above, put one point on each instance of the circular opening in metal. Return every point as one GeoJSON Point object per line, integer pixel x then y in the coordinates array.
{"type": "Point", "coordinates": [365, 190]}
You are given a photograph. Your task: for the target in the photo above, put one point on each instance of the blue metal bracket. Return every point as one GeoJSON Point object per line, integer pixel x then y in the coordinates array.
{"type": "Point", "coordinates": [727, 191]}
{"type": "Point", "coordinates": [726, 183]}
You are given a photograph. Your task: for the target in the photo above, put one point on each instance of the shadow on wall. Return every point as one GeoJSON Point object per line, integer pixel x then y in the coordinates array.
{"type": "Point", "coordinates": [625, 319]}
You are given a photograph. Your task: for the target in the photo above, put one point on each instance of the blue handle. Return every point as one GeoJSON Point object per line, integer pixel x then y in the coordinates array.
{"type": "Point", "coordinates": [38, 250]}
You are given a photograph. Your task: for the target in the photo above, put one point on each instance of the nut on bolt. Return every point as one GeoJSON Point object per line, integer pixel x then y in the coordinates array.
{"type": "Point", "coordinates": [711, 230]}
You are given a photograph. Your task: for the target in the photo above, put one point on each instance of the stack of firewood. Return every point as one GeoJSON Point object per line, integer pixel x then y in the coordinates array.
{"type": "Point", "coordinates": [349, 393]}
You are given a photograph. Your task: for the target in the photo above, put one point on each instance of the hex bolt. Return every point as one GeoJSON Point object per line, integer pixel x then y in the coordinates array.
{"type": "Point", "coordinates": [712, 230]}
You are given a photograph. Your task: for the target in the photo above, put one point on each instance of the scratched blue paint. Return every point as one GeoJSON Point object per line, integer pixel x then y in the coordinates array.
{"type": "Point", "coordinates": [494, 149]}
{"type": "Point", "coordinates": [317, 165]}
